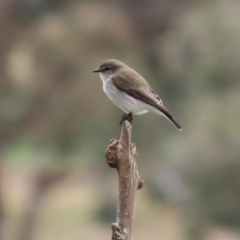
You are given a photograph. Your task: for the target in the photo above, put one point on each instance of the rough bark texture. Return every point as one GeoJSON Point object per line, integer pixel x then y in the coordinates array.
{"type": "Point", "coordinates": [121, 154]}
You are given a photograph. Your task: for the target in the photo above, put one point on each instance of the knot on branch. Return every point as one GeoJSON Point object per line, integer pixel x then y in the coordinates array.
{"type": "Point", "coordinates": [140, 183]}
{"type": "Point", "coordinates": [111, 153]}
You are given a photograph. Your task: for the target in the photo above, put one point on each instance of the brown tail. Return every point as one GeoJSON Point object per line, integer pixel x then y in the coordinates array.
{"type": "Point", "coordinates": [169, 116]}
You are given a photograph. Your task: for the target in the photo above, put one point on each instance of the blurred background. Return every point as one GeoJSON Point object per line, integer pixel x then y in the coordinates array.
{"type": "Point", "coordinates": [56, 122]}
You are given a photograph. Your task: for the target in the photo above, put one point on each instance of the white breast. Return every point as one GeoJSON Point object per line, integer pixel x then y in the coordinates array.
{"type": "Point", "coordinates": [121, 99]}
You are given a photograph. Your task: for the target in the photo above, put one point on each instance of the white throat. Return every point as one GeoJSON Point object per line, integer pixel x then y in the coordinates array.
{"type": "Point", "coordinates": [104, 76]}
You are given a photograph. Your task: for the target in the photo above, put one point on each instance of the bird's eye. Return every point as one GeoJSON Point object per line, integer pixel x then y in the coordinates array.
{"type": "Point", "coordinates": [107, 68]}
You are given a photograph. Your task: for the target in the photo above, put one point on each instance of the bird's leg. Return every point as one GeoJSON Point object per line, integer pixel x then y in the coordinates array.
{"type": "Point", "coordinates": [127, 117]}
{"type": "Point", "coordinates": [130, 117]}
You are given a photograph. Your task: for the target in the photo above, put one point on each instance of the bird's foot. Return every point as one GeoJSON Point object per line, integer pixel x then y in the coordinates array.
{"type": "Point", "coordinates": [127, 117]}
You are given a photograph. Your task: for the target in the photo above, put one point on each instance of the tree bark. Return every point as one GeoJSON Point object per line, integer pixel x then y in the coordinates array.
{"type": "Point", "coordinates": [121, 154]}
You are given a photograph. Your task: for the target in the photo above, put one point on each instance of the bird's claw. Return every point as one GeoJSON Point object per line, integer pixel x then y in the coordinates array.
{"type": "Point", "coordinates": [127, 117]}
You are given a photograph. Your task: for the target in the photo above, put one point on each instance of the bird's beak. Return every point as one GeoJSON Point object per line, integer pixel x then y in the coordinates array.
{"type": "Point", "coordinates": [97, 70]}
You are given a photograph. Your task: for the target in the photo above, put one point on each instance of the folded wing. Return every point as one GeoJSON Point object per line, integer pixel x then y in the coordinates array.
{"type": "Point", "coordinates": [145, 94]}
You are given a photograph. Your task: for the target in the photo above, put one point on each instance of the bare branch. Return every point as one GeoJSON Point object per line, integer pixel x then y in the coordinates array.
{"type": "Point", "coordinates": [122, 155]}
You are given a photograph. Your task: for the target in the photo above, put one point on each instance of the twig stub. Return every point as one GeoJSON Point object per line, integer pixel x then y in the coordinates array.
{"type": "Point", "coordinates": [111, 153]}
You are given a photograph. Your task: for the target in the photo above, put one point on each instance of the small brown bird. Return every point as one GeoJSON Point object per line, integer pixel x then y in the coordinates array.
{"type": "Point", "coordinates": [129, 91]}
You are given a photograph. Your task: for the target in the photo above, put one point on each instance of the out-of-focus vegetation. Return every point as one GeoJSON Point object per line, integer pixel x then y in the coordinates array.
{"type": "Point", "coordinates": [55, 121]}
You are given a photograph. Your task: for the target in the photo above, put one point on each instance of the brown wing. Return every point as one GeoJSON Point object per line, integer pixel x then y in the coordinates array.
{"type": "Point", "coordinates": [145, 93]}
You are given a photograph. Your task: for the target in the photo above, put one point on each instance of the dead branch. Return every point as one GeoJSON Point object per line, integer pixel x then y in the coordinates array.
{"type": "Point", "coordinates": [121, 154]}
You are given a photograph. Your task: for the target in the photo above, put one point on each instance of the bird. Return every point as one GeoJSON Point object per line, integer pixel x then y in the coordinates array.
{"type": "Point", "coordinates": [129, 91]}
